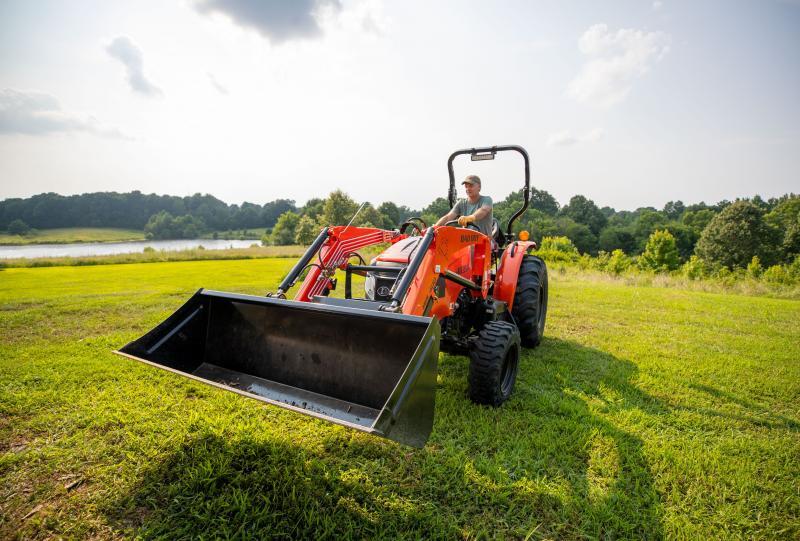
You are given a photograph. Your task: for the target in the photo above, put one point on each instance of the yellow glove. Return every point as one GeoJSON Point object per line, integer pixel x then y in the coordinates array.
{"type": "Point", "coordinates": [464, 220]}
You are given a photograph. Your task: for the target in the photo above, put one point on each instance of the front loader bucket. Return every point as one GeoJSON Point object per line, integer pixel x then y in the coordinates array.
{"type": "Point", "coordinates": [369, 370]}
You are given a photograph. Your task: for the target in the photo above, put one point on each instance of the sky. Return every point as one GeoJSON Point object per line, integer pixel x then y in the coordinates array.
{"type": "Point", "coordinates": [630, 103]}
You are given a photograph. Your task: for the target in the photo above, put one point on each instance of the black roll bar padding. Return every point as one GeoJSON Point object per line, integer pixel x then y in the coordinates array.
{"type": "Point", "coordinates": [412, 268]}
{"type": "Point", "coordinates": [290, 279]}
{"type": "Point", "coordinates": [483, 150]}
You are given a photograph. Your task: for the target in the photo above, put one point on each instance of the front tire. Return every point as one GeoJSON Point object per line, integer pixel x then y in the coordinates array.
{"type": "Point", "coordinates": [494, 363]}
{"type": "Point", "coordinates": [530, 300]}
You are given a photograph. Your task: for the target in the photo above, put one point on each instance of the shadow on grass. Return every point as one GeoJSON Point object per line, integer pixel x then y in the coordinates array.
{"type": "Point", "coordinates": [758, 415]}
{"type": "Point", "coordinates": [549, 463]}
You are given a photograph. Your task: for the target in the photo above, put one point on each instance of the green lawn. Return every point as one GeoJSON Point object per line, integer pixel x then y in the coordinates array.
{"type": "Point", "coordinates": [73, 234]}
{"type": "Point", "coordinates": [160, 256]}
{"type": "Point", "coordinates": [646, 413]}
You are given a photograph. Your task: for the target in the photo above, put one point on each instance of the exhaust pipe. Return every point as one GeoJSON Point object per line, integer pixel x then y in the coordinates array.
{"type": "Point", "coordinates": [368, 370]}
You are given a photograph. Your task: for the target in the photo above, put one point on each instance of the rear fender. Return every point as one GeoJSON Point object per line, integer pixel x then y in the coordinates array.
{"type": "Point", "coordinates": [505, 284]}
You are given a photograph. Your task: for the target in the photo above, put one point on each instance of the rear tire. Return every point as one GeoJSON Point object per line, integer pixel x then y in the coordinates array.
{"type": "Point", "coordinates": [494, 363]}
{"type": "Point", "coordinates": [530, 300]}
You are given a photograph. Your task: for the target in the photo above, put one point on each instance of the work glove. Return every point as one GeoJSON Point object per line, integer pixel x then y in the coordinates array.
{"type": "Point", "coordinates": [464, 220]}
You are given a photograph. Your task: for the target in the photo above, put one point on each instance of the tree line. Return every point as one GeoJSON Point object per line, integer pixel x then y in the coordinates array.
{"type": "Point", "coordinates": [169, 216]}
{"type": "Point", "coordinates": [728, 233]}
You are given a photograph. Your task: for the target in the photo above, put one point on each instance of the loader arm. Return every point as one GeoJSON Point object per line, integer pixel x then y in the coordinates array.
{"type": "Point", "coordinates": [334, 252]}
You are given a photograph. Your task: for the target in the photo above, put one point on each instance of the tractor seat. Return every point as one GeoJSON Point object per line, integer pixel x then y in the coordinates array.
{"type": "Point", "coordinates": [498, 239]}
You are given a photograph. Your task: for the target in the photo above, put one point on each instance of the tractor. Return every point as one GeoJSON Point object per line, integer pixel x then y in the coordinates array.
{"type": "Point", "coordinates": [370, 362]}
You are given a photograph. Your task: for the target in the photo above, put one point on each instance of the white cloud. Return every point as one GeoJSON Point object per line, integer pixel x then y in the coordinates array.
{"type": "Point", "coordinates": [564, 138]}
{"type": "Point", "coordinates": [616, 60]}
{"type": "Point", "coordinates": [593, 136]}
{"type": "Point", "coordinates": [365, 16]}
{"type": "Point", "coordinates": [35, 113]}
{"type": "Point", "coordinates": [124, 50]}
{"type": "Point", "coordinates": [219, 87]}
{"type": "Point", "coordinates": [657, 5]}
{"type": "Point", "coordinates": [561, 139]}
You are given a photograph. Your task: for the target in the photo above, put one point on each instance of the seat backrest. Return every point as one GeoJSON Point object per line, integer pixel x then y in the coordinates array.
{"type": "Point", "coordinates": [497, 233]}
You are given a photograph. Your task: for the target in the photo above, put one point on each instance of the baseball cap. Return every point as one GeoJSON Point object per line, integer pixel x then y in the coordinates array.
{"type": "Point", "coordinates": [472, 179]}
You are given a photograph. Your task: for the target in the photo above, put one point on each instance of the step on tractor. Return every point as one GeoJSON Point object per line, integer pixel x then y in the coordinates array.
{"type": "Point", "coordinates": [370, 363]}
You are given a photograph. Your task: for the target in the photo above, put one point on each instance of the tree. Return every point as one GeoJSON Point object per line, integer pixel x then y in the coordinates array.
{"type": "Point", "coordinates": [164, 226]}
{"type": "Point", "coordinates": [579, 234]}
{"type": "Point", "coordinates": [615, 237]}
{"type": "Point", "coordinates": [271, 211]}
{"type": "Point", "coordinates": [338, 209]}
{"type": "Point", "coordinates": [623, 218]}
{"type": "Point", "coordinates": [785, 213]}
{"type": "Point", "coordinates": [674, 209]}
{"type": "Point", "coordinates": [306, 231]}
{"type": "Point", "coordinates": [540, 225]}
{"type": "Point", "coordinates": [285, 230]}
{"type": "Point", "coordinates": [503, 210]}
{"type": "Point", "coordinates": [247, 216]}
{"type": "Point", "coordinates": [661, 253]}
{"type": "Point", "coordinates": [438, 208]}
{"type": "Point", "coordinates": [697, 219]}
{"type": "Point", "coordinates": [648, 221]}
{"type": "Point", "coordinates": [160, 226]}
{"type": "Point", "coordinates": [736, 234]}
{"type": "Point", "coordinates": [584, 211]}
{"type": "Point", "coordinates": [188, 227]}
{"type": "Point", "coordinates": [618, 262]}
{"type": "Point", "coordinates": [391, 212]}
{"type": "Point", "coordinates": [369, 217]}
{"type": "Point", "coordinates": [685, 238]}
{"type": "Point", "coordinates": [791, 241]}
{"type": "Point", "coordinates": [558, 244]}
{"type": "Point", "coordinates": [785, 216]}
{"type": "Point", "coordinates": [18, 227]}
{"type": "Point", "coordinates": [543, 201]}
{"type": "Point", "coordinates": [313, 208]}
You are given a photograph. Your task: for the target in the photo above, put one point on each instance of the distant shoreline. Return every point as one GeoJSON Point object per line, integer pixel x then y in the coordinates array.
{"type": "Point", "coordinates": [83, 235]}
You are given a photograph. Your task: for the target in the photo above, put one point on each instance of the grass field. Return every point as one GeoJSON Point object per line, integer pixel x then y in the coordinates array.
{"type": "Point", "coordinates": [159, 256]}
{"type": "Point", "coordinates": [646, 413]}
{"type": "Point", "coordinates": [73, 234]}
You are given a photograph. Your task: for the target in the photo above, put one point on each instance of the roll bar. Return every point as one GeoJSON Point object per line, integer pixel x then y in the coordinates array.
{"type": "Point", "coordinates": [487, 153]}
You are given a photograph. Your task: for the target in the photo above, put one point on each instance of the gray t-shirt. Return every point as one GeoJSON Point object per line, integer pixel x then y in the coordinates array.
{"type": "Point", "coordinates": [465, 208]}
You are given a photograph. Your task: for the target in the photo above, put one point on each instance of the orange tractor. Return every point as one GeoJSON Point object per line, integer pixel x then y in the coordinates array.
{"type": "Point", "coordinates": [370, 363]}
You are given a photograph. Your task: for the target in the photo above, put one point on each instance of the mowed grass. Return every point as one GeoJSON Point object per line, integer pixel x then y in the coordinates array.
{"type": "Point", "coordinates": [73, 234]}
{"type": "Point", "coordinates": [645, 413]}
{"type": "Point", "coordinates": [159, 256]}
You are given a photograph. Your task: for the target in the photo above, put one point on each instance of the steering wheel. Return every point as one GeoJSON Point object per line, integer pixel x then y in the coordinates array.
{"type": "Point", "coordinates": [468, 226]}
{"type": "Point", "coordinates": [411, 222]}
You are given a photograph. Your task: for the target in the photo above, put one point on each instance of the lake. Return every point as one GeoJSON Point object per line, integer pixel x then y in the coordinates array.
{"type": "Point", "coordinates": [83, 249]}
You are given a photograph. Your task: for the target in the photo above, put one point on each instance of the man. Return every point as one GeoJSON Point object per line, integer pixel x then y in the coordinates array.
{"type": "Point", "coordinates": [475, 209]}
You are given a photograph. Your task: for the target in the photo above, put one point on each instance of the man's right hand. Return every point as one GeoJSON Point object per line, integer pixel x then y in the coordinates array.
{"type": "Point", "coordinates": [464, 220]}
